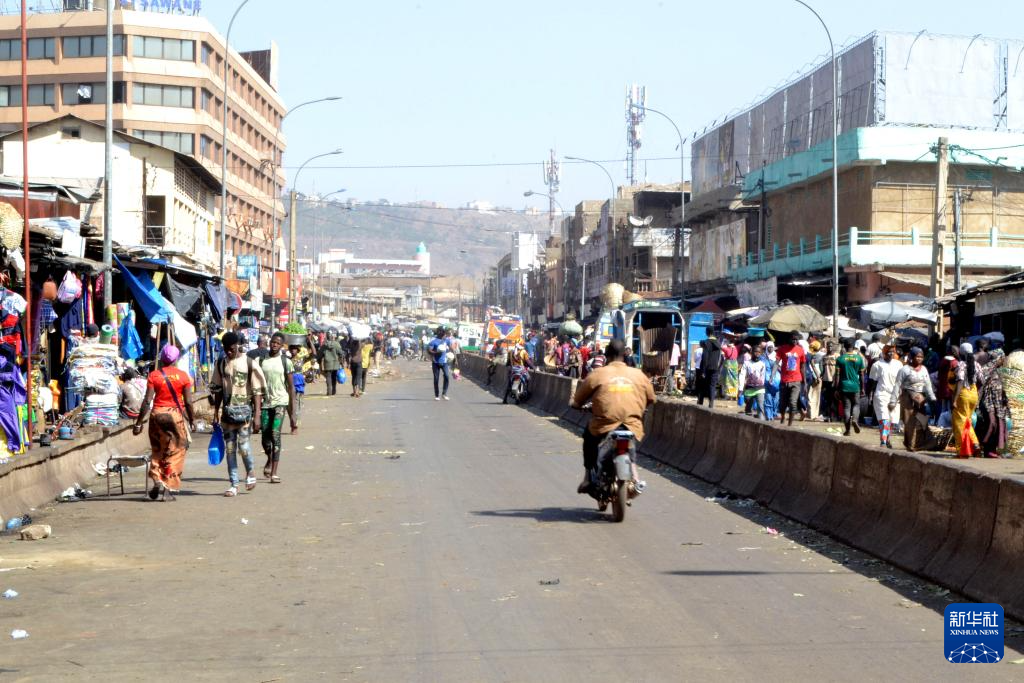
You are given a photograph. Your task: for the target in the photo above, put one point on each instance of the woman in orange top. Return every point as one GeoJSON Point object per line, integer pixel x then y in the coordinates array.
{"type": "Point", "coordinates": [169, 390]}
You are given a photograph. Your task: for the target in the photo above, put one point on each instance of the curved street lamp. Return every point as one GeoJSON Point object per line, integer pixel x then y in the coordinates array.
{"type": "Point", "coordinates": [530, 193]}
{"type": "Point", "coordinates": [835, 174]}
{"type": "Point", "coordinates": [224, 139]}
{"type": "Point", "coordinates": [678, 253]}
{"type": "Point", "coordinates": [275, 164]}
{"type": "Point", "coordinates": [292, 237]}
{"type": "Point", "coordinates": [611, 212]}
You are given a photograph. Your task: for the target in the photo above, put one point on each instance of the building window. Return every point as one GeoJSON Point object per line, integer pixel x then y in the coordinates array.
{"type": "Point", "coordinates": [91, 93]}
{"type": "Point", "coordinates": [163, 95]}
{"type": "Point", "coordinates": [164, 48]}
{"type": "Point", "coordinates": [72, 132]}
{"type": "Point", "coordinates": [205, 54]}
{"type": "Point", "coordinates": [10, 95]}
{"type": "Point", "coordinates": [179, 142]}
{"type": "Point", "coordinates": [205, 146]}
{"type": "Point", "coordinates": [41, 48]}
{"type": "Point", "coordinates": [89, 46]}
{"type": "Point", "coordinates": [40, 95]}
{"type": "Point", "coordinates": [206, 101]}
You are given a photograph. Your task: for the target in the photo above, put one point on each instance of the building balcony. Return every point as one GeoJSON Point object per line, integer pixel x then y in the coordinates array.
{"type": "Point", "coordinates": [866, 247]}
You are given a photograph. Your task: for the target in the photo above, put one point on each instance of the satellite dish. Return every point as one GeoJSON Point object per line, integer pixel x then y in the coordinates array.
{"type": "Point", "coordinates": [641, 222]}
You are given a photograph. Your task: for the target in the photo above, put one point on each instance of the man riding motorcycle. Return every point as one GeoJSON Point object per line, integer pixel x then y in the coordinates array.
{"type": "Point", "coordinates": [619, 395]}
{"type": "Point", "coordinates": [517, 357]}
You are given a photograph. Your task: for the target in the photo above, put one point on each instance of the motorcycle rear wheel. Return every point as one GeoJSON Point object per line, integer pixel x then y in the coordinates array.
{"type": "Point", "coordinates": [619, 501]}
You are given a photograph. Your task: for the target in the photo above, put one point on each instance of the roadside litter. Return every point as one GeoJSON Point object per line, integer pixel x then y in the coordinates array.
{"type": "Point", "coordinates": [74, 492]}
{"type": "Point", "coordinates": [10, 594]}
{"type": "Point", "coordinates": [19, 633]}
{"type": "Point", "coordinates": [36, 532]}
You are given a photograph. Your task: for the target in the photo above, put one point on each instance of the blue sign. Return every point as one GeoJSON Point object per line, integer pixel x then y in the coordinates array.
{"type": "Point", "coordinates": [974, 633]}
{"type": "Point", "coordinates": [248, 266]}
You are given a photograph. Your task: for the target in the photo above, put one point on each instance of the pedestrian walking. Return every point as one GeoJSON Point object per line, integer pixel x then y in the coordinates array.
{"type": "Point", "coordinates": [965, 399]}
{"type": "Point", "coordinates": [849, 381]}
{"type": "Point", "coordinates": [169, 392]}
{"type": "Point", "coordinates": [280, 400]}
{"type": "Point", "coordinates": [237, 388]}
{"type": "Point", "coordinates": [366, 351]}
{"type": "Point", "coordinates": [355, 366]}
{"type": "Point", "coordinates": [439, 355]}
{"type": "Point", "coordinates": [331, 358]}
{"type": "Point", "coordinates": [709, 369]}
{"type": "Point", "coordinates": [752, 378]}
{"type": "Point", "coordinates": [884, 395]}
{"type": "Point", "coordinates": [298, 381]}
{"type": "Point", "coordinates": [792, 359]}
{"type": "Point", "coordinates": [993, 406]}
{"type": "Point", "coordinates": [915, 387]}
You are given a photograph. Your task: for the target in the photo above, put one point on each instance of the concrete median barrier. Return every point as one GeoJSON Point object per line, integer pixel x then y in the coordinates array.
{"type": "Point", "coordinates": [693, 452]}
{"type": "Point", "coordinates": [929, 526]}
{"type": "Point", "coordinates": [998, 579]}
{"type": "Point", "coordinates": [970, 532]}
{"type": "Point", "coordinates": [900, 507]}
{"type": "Point", "coordinates": [677, 430]}
{"type": "Point", "coordinates": [808, 474]}
{"type": "Point", "coordinates": [657, 439]}
{"type": "Point", "coordinates": [720, 449]}
{"type": "Point", "coordinates": [774, 456]}
{"type": "Point", "coordinates": [747, 467]}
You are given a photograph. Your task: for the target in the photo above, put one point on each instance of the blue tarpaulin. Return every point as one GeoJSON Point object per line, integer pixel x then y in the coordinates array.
{"type": "Point", "coordinates": [154, 306]}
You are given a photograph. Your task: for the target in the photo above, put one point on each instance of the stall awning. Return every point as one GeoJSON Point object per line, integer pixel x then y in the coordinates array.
{"type": "Point", "coordinates": [187, 299]}
{"type": "Point", "coordinates": [154, 306]}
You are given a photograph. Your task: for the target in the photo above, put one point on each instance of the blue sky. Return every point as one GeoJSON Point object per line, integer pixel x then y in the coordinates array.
{"type": "Point", "coordinates": [458, 82]}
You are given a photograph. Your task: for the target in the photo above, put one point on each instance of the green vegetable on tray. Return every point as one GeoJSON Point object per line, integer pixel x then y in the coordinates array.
{"type": "Point", "coordinates": [293, 328]}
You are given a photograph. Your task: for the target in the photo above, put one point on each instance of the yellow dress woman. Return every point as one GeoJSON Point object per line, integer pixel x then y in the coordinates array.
{"type": "Point", "coordinates": [965, 401]}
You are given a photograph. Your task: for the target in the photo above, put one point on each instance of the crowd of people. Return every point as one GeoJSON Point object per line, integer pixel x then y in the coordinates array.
{"type": "Point", "coordinates": [896, 387]}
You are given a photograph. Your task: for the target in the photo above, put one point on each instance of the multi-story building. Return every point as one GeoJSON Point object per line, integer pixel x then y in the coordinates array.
{"type": "Point", "coordinates": [164, 200]}
{"type": "Point", "coordinates": [168, 89]}
{"type": "Point", "coordinates": [761, 211]}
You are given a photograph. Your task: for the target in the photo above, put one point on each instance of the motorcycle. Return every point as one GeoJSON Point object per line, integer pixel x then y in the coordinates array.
{"type": "Point", "coordinates": [613, 482]}
{"type": "Point", "coordinates": [520, 383]}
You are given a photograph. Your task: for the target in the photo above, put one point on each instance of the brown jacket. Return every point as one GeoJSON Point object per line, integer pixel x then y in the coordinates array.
{"type": "Point", "coordinates": [620, 395]}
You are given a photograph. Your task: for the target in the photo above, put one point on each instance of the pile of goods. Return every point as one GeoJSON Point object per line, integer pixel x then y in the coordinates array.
{"type": "Point", "coordinates": [1013, 383]}
{"type": "Point", "coordinates": [92, 371]}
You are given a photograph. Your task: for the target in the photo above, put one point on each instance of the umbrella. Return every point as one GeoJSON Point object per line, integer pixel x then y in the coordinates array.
{"type": "Point", "coordinates": [889, 312]}
{"type": "Point", "coordinates": [792, 318]}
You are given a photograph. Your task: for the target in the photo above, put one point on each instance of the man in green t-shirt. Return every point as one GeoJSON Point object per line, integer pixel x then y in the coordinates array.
{"type": "Point", "coordinates": [280, 398]}
{"type": "Point", "coordinates": [849, 380]}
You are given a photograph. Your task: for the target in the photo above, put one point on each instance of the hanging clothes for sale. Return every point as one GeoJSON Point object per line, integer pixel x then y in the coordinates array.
{"type": "Point", "coordinates": [12, 308]}
{"type": "Point", "coordinates": [128, 338]}
{"type": "Point", "coordinates": [13, 398]}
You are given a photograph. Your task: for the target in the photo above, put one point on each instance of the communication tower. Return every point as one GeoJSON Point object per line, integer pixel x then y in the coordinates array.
{"type": "Point", "coordinates": [552, 176]}
{"type": "Point", "coordinates": [636, 100]}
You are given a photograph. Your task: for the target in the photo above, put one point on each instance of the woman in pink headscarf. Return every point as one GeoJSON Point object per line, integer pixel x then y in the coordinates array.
{"type": "Point", "coordinates": [170, 392]}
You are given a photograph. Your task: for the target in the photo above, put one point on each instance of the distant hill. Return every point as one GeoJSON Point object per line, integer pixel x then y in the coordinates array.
{"type": "Point", "coordinates": [378, 230]}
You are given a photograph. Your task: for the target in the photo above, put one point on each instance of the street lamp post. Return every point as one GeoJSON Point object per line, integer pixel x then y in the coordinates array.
{"type": "Point", "coordinates": [530, 193]}
{"type": "Point", "coordinates": [275, 165]}
{"type": "Point", "coordinates": [835, 174]}
{"type": "Point", "coordinates": [224, 139]}
{"type": "Point", "coordinates": [611, 216]}
{"type": "Point", "coordinates": [583, 281]}
{"type": "Point", "coordinates": [293, 239]}
{"type": "Point", "coordinates": [318, 247]}
{"type": "Point", "coordinates": [678, 253]}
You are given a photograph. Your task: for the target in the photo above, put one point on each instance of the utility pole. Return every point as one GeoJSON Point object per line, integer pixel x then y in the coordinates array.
{"type": "Point", "coordinates": [938, 284]}
{"type": "Point", "coordinates": [958, 227]}
{"type": "Point", "coordinates": [108, 167]}
{"type": "Point", "coordinates": [292, 264]}
{"type": "Point", "coordinates": [460, 300]}
{"type": "Point", "coordinates": [552, 177]}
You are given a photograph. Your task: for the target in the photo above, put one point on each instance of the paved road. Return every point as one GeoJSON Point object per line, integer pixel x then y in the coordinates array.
{"type": "Point", "coordinates": [415, 540]}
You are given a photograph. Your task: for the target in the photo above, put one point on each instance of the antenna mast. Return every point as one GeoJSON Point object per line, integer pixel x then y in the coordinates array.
{"type": "Point", "coordinates": [552, 176]}
{"type": "Point", "coordinates": [636, 100]}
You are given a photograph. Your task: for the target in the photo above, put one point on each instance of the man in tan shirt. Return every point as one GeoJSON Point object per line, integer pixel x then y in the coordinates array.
{"type": "Point", "coordinates": [620, 395]}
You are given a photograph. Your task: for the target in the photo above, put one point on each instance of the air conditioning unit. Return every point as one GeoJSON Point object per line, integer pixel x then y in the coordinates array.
{"type": "Point", "coordinates": [76, 5]}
